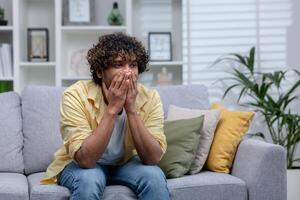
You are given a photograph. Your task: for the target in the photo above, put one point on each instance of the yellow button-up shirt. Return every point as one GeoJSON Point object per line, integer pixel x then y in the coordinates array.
{"type": "Point", "coordinates": [81, 109]}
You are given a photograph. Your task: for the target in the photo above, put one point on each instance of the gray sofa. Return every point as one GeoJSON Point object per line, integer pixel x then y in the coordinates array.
{"type": "Point", "coordinates": [29, 135]}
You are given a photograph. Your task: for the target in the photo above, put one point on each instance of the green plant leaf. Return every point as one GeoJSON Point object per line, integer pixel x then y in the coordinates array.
{"type": "Point", "coordinates": [251, 59]}
{"type": "Point", "coordinates": [229, 88]}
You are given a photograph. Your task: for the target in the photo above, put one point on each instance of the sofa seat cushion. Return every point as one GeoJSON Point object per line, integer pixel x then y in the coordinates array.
{"type": "Point", "coordinates": [38, 191]}
{"type": "Point", "coordinates": [205, 185]}
{"type": "Point", "coordinates": [208, 185]}
{"type": "Point", "coordinates": [13, 186]}
{"type": "Point", "coordinates": [57, 192]}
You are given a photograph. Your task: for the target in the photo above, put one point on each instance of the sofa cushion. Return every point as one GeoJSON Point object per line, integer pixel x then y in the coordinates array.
{"type": "Point", "coordinates": [207, 185]}
{"type": "Point", "coordinates": [231, 128]}
{"type": "Point", "coordinates": [187, 96]}
{"type": "Point", "coordinates": [13, 186]}
{"type": "Point", "coordinates": [40, 110]}
{"type": "Point", "coordinates": [38, 192]}
{"type": "Point", "coordinates": [57, 192]}
{"type": "Point", "coordinates": [182, 139]}
{"type": "Point", "coordinates": [211, 118]}
{"type": "Point", "coordinates": [11, 143]}
{"type": "Point", "coordinates": [202, 186]}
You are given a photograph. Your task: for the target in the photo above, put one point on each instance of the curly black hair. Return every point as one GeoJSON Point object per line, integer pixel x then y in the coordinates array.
{"type": "Point", "coordinates": [109, 47]}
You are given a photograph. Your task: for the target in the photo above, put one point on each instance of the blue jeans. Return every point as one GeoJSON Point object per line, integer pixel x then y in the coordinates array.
{"type": "Point", "coordinates": [148, 182]}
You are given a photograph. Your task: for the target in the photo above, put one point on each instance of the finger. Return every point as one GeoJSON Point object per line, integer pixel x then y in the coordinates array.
{"type": "Point", "coordinates": [124, 84]}
{"type": "Point", "coordinates": [130, 84]}
{"type": "Point", "coordinates": [104, 88]}
{"type": "Point", "coordinates": [113, 82]}
{"type": "Point", "coordinates": [135, 81]}
{"type": "Point", "coordinates": [119, 81]}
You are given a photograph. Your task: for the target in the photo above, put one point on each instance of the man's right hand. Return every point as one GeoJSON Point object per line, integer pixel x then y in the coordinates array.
{"type": "Point", "coordinates": [116, 93]}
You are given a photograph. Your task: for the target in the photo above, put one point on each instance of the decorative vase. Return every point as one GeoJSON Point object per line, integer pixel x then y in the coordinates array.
{"type": "Point", "coordinates": [293, 183]}
{"type": "Point", "coordinates": [115, 17]}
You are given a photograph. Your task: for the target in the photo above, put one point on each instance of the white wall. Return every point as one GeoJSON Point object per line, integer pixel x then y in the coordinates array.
{"type": "Point", "coordinates": [293, 38]}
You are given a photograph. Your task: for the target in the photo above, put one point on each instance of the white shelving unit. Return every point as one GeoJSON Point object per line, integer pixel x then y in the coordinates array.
{"type": "Point", "coordinates": [65, 40]}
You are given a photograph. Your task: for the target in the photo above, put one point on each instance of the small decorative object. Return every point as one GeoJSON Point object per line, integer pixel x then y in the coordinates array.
{"type": "Point", "coordinates": [79, 63]}
{"type": "Point", "coordinates": [164, 77]}
{"type": "Point", "coordinates": [38, 44]}
{"type": "Point", "coordinates": [79, 12]}
{"type": "Point", "coordinates": [115, 17]}
{"type": "Point", "coordinates": [3, 22]}
{"type": "Point", "coordinates": [160, 46]}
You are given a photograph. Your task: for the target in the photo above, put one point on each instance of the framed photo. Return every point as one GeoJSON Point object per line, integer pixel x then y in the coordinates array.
{"type": "Point", "coordinates": [79, 12]}
{"type": "Point", "coordinates": [160, 46]}
{"type": "Point", "coordinates": [38, 44]}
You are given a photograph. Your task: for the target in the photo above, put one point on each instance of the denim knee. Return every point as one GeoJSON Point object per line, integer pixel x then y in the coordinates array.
{"type": "Point", "coordinates": [152, 180]}
{"type": "Point", "coordinates": [91, 184]}
{"type": "Point", "coordinates": [84, 183]}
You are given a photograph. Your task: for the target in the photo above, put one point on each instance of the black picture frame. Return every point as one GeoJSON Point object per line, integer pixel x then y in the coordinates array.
{"type": "Point", "coordinates": [38, 44]}
{"type": "Point", "coordinates": [160, 46]}
{"type": "Point", "coordinates": [66, 13]}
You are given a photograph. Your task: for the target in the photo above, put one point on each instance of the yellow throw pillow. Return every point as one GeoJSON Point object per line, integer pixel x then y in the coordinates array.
{"type": "Point", "coordinates": [229, 132]}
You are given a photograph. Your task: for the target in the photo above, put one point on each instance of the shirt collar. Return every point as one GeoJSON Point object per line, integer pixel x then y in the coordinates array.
{"type": "Point", "coordinates": [95, 94]}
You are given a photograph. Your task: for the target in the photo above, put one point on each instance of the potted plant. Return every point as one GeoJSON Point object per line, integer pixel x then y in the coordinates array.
{"type": "Point", "coordinates": [265, 94]}
{"type": "Point", "coordinates": [2, 20]}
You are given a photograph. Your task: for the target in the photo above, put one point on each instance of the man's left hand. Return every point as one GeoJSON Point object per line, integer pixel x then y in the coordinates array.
{"type": "Point", "coordinates": [131, 94]}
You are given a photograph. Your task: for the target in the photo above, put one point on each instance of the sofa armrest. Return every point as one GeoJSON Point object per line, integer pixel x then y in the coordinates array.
{"type": "Point", "coordinates": [263, 167]}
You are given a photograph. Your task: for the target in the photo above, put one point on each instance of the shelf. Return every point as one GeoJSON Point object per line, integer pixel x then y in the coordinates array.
{"type": "Point", "coordinates": [6, 78]}
{"type": "Point", "coordinates": [6, 28]}
{"type": "Point", "coordinates": [70, 42]}
{"type": "Point", "coordinates": [75, 29]}
{"type": "Point", "coordinates": [71, 78]}
{"type": "Point", "coordinates": [37, 64]}
{"type": "Point", "coordinates": [167, 63]}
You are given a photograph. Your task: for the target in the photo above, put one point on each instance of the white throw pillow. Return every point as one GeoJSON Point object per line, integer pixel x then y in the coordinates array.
{"type": "Point", "coordinates": [211, 119]}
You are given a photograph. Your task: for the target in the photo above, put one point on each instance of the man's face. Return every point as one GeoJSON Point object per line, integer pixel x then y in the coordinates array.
{"type": "Point", "coordinates": [119, 64]}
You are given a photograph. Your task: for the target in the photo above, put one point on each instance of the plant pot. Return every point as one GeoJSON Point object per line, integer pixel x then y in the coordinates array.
{"type": "Point", "coordinates": [293, 183]}
{"type": "Point", "coordinates": [3, 22]}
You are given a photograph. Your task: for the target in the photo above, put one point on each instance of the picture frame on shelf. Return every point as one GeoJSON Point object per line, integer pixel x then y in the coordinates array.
{"type": "Point", "coordinates": [38, 44]}
{"type": "Point", "coordinates": [78, 12]}
{"type": "Point", "coordinates": [160, 46]}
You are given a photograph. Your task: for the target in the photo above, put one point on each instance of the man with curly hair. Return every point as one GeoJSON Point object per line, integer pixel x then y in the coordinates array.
{"type": "Point", "coordinates": [112, 126]}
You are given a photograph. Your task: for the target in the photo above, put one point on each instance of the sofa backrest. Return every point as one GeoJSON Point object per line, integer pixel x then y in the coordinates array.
{"type": "Point", "coordinates": [40, 111]}
{"type": "Point", "coordinates": [187, 96]}
{"type": "Point", "coordinates": [11, 137]}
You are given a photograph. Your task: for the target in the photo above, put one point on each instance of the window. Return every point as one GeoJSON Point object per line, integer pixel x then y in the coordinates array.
{"type": "Point", "coordinates": [217, 27]}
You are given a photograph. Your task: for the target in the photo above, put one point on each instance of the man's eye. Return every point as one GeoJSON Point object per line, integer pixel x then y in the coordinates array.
{"type": "Point", "coordinates": [118, 65]}
{"type": "Point", "coordinates": [133, 65]}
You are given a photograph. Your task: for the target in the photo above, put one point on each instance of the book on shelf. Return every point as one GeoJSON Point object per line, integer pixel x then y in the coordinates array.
{"type": "Point", "coordinates": [6, 60]}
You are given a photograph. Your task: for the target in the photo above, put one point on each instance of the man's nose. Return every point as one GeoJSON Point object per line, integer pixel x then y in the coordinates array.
{"type": "Point", "coordinates": [127, 67]}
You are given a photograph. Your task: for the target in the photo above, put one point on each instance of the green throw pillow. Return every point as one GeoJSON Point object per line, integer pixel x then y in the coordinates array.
{"type": "Point", "coordinates": [182, 139]}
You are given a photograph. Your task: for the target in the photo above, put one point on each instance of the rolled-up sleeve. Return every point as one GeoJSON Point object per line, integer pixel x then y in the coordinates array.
{"type": "Point", "coordinates": [155, 121]}
{"type": "Point", "coordinates": [74, 124]}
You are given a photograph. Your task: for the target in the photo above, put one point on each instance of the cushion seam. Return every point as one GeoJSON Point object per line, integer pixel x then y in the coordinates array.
{"type": "Point", "coordinates": [209, 185]}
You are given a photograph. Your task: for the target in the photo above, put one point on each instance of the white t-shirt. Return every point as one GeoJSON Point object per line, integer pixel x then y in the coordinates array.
{"type": "Point", "coordinates": [115, 148]}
